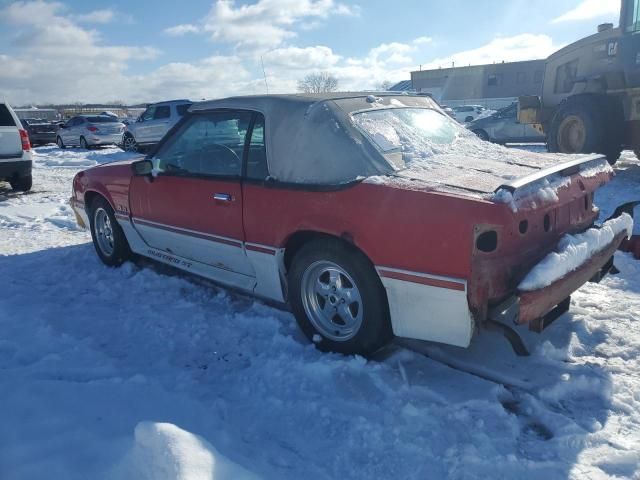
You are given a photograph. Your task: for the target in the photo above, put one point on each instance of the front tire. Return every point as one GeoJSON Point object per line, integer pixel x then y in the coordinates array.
{"type": "Point", "coordinates": [22, 184]}
{"type": "Point", "coordinates": [108, 238]}
{"type": "Point", "coordinates": [338, 299]}
{"type": "Point", "coordinates": [129, 144]}
{"type": "Point", "coordinates": [482, 135]}
{"type": "Point", "coordinates": [587, 124]}
{"type": "Point", "coordinates": [60, 143]}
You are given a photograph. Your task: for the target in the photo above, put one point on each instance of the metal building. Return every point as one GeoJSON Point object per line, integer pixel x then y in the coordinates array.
{"type": "Point", "coordinates": [494, 86]}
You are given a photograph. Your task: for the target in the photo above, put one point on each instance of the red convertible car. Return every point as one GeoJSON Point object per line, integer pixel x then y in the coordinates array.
{"type": "Point", "coordinates": [369, 215]}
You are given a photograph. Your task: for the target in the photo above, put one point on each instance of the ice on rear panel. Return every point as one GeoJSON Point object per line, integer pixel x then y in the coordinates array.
{"type": "Point", "coordinates": [573, 251]}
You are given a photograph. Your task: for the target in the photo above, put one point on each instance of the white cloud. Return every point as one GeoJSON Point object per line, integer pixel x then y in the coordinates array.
{"type": "Point", "coordinates": [588, 9]}
{"type": "Point", "coordinates": [525, 46]}
{"type": "Point", "coordinates": [295, 58]}
{"type": "Point", "coordinates": [56, 60]}
{"type": "Point", "coordinates": [182, 29]}
{"type": "Point", "coordinates": [265, 24]}
{"type": "Point", "coordinates": [96, 16]}
{"type": "Point", "coordinates": [47, 65]}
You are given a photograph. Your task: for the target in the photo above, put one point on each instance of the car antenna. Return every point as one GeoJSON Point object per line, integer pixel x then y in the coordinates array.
{"type": "Point", "coordinates": [266, 84]}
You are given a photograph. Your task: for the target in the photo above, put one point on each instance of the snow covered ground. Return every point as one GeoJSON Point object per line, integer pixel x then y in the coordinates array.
{"type": "Point", "coordinates": [139, 373]}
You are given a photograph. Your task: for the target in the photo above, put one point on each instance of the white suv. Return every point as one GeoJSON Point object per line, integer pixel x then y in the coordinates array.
{"type": "Point", "coordinates": [468, 113]}
{"type": "Point", "coordinates": [152, 125]}
{"type": "Point", "coordinates": [15, 150]}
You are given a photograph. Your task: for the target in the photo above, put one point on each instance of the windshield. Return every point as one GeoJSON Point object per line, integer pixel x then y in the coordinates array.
{"type": "Point", "coordinates": [407, 134]}
{"type": "Point", "coordinates": [632, 21]}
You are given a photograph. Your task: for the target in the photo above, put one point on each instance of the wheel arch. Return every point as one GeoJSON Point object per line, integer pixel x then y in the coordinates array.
{"type": "Point", "coordinates": [91, 194]}
{"type": "Point", "coordinates": [300, 238]}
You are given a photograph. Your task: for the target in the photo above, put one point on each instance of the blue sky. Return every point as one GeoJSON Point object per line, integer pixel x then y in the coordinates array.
{"type": "Point", "coordinates": [145, 50]}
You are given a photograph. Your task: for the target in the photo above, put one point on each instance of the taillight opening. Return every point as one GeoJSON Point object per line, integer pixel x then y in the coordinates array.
{"type": "Point", "coordinates": [523, 227]}
{"type": "Point", "coordinates": [487, 242]}
{"type": "Point", "coordinates": [24, 138]}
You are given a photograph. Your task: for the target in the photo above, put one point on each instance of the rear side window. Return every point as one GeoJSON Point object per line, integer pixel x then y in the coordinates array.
{"type": "Point", "coordinates": [6, 119]}
{"type": "Point", "coordinates": [162, 111]}
{"type": "Point", "coordinates": [182, 109]}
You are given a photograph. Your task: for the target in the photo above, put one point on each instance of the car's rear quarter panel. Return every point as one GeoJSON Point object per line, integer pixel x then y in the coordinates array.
{"type": "Point", "coordinates": [394, 227]}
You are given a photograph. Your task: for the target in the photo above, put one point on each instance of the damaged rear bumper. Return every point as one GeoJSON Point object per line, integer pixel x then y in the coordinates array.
{"type": "Point", "coordinates": [539, 308]}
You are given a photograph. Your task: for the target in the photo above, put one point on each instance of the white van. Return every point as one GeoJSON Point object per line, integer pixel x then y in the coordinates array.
{"type": "Point", "coordinates": [15, 150]}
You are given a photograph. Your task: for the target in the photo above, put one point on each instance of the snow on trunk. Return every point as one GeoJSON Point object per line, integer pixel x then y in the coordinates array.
{"type": "Point", "coordinates": [574, 251]}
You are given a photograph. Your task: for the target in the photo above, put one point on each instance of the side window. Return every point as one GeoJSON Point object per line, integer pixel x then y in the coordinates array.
{"type": "Point", "coordinates": [207, 144]}
{"type": "Point", "coordinates": [566, 76]}
{"type": "Point", "coordinates": [257, 156]}
{"type": "Point", "coordinates": [6, 119]}
{"type": "Point", "coordinates": [182, 109]}
{"type": "Point", "coordinates": [162, 111]}
{"type": "Point", "coordinates": [148, 114]}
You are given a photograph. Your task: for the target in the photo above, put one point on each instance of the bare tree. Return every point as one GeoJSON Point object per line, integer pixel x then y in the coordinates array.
{"type": "Point", "coordinates": [385, 85]}
{"type": "Point", "coordinates": [319, 82]}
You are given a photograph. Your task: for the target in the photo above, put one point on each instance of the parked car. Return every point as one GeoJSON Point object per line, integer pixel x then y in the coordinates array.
{"type": "Point", "coordinates": [503, 127]}
{"type": "Point", "coordinates": [15, 150]}
{"type": "Point", "coordinates": [41, 132]}
{"type": "Point", "coordinates": [468, 113]}
{"type": "Point", "coordinates": [152, 125]}
{"type": "Point", "coordinates": [448, 110]}
{"type": "Point", "coordinates": [370, 216]}
{"type": "Point", "coordinates": [86, 131]}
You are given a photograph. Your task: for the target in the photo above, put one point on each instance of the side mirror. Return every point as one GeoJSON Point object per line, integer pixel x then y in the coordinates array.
{"type": "Point", "coordinates": [142, 167]}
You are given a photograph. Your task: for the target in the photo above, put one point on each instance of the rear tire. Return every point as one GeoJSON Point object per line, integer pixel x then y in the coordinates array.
{"type": "Point", "coordinates": [83, 143]}
{"type": "Point", "coordinates": [60, 143]}
{"type": "Point", "coordinates": [338, 299]}
{"type": "Point", "coordinates": [108, 238]}
{"type": "Point", "coordinates": [22, 184]}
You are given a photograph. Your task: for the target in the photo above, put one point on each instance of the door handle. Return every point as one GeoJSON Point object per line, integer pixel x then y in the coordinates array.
{"type": "Point", "coordinates": [223, 197]}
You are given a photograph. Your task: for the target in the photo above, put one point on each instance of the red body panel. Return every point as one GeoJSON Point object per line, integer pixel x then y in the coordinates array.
{"type": "Point", "coordinates": [402, 227]}
{"type": "Point", "coordinates": [394, 227]}
{"type": "Point", "coordinates": [189, 203]}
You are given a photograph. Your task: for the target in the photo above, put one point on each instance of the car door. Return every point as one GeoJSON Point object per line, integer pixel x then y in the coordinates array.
{"type": "Point", "coordinates": [506, 126]}
{"type": "Point", "coordinates": [192, 207]}
{"type": "Point", "coordinates": [78, 130]}
{"type": "Point", "coordinates": [67, 132]}
{"type": "Point", "coordinates": [144, 125]}
{"type": "Point", "coordinates": [160, 124]}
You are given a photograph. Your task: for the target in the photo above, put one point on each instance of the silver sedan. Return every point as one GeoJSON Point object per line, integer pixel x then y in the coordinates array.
{"type": "Point", "coordinates": [87, 131]}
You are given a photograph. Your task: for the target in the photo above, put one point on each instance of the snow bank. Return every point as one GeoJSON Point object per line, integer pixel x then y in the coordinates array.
{"type": "Point", "coordinates": [52, 156]}
{"type": "Point", "coordinates": [163, 451]}
{"type": "Point", "coordinates": [574, 251]}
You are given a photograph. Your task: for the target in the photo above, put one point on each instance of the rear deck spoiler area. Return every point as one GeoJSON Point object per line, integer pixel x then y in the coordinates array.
{"type": "Point", "coordinates": [593, 163]}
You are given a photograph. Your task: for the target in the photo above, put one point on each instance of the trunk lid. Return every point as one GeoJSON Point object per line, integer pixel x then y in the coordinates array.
{"type": "Point", "coordinates": [486, 177]}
